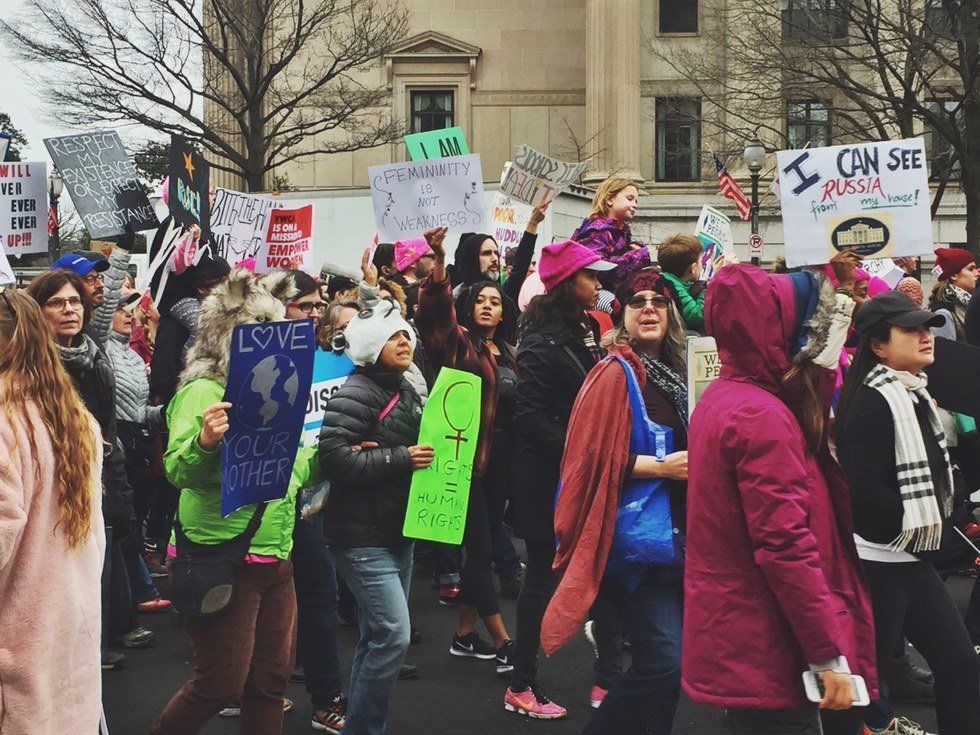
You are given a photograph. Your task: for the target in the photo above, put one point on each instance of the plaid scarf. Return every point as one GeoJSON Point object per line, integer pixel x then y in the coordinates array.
{"type": "Point", "coordinates": [923, 517]}
{"type": "Point", "coordinates": [668, 383]}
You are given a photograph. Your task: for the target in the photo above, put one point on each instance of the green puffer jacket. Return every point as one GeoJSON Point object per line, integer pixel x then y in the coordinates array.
{"type": "Point", "coordinates": [197, 473]}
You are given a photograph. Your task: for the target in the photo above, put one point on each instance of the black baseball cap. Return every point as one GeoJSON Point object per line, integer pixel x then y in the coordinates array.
{"type": "Point", "coordinates": [895, 308]}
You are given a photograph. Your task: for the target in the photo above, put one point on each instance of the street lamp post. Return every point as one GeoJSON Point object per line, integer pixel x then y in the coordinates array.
{"type": "Point", "coordinates": [55, 187]}
{"type": "Point", "coordinates": [755, 158]}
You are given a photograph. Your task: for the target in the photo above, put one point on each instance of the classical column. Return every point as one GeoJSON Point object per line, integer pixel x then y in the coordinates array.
{"type": "Point", "coordinates": [612, 92]}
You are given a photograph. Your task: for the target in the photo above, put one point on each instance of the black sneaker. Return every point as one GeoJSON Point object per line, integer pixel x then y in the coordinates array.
{"type": "Point", "coordinates": [505, 659]}
{"type": "Point", "coordinates": [298, 676]}
{"type": "Point", "coordinates": [472, 645]}
{"type": "Point", "coordinates": [332, 719]}
{"type": "Point", "coordinates": [408, 671]}
{"type": "Point", "coordinates": [112, 661]}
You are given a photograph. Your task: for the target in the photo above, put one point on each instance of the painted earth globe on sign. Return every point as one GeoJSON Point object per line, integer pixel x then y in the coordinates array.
{"type": "Point", "coordinates": [268, 393]}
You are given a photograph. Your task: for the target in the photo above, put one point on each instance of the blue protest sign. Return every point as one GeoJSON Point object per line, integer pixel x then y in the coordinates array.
{"type": "Point", "coordinates": [330, 371]}
{"type": "Point", "coordinates": [269, 378]}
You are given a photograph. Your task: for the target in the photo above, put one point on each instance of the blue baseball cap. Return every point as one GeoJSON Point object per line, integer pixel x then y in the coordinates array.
{"type": "Point", "coordinates": [81, 263]}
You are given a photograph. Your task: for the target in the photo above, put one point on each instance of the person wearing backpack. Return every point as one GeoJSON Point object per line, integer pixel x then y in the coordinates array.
{"type": "Point", "coordinates": [637, 399]}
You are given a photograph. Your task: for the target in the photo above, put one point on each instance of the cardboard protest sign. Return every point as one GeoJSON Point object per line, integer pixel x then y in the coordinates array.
{"type": "Point", "coordinates": [954, 377]}
{"type": "Point", "coordinates": [288, 242]}
{"type": "Point", "coordinates": [509, 219]}
{"type": "Point", "coordinates": [101, 179]}
{"type": "Point", "coordinates": [23, 208]}
{"type": "Point", "coordinates": [440, 493]}
{"type": "Point", "coordinates": [534, 177]}
{"type": "Point", "coordinates": [872, 198]}
{"type": "Point", "coordinates": [703, 366]}
{"type": "Point", "coordinates": [410, 198]}
{"type": "Point", "coordinates": [6, 271]}
{"type": "Point", "coordinates": [437, 144]}
{"type": "Point", "coordinates": [268, 385]}
{"type": "Point", "coordinates": [239, 223]}
{"type": "Point", "coordinates": [330, 371]}
{"type": "Point", "coordinates": [5, 141]}
{"type": "Point", "coordinates": [714, 230]}
{"type": "Point", "coordinates": [189, 181]}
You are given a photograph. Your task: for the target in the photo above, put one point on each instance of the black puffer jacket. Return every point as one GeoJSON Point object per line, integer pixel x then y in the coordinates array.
{"type": "Point", "coordinates": [552, 364]}
{"type": "Point", "coordinates": [369, 487]}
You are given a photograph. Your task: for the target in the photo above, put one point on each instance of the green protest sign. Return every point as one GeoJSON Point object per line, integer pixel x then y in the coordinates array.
{"type": "Point", "coordinates": [437, 144]}
{"type": "Point", "coordinates": [440, 493]}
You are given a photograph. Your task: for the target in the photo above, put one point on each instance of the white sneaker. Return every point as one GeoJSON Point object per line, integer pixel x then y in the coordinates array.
{"type": "Point", "coordinates": [590, 635]}
{"type": "Point", "coordinates": [899, 726]}
{"type": "Point", "coordinates": [235, 710]}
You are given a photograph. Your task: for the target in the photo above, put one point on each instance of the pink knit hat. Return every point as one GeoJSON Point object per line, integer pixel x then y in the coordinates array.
{"type": "Point", "coordinates": [408, 252]}
{"type": "Point", "coordinates": [562, 260]}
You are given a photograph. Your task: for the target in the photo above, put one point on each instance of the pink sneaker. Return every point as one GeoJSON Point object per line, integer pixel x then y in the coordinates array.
{"type": "Point", "coordinates": [597, 695]}
{"type": "Point", "coordinates": [533, 703]}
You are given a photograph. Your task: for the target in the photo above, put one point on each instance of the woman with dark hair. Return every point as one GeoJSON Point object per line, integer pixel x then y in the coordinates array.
{"type": "Point", "coordinates": [642, 381]}
{"type": "Point", "coordinates": [60, 294]}
{"type": "Point", "coordinates": [772, 581]}
{"type": "Point", "coordinates": [953, 292]}
{"type": "Point", "coordinates": [559, 345]}
{"type": "Point", "coordinates": [306, 304]}
{"type": "Point", "coordinates": [893, 449]}
{"type": "Point", "coordinates": [477, 343]}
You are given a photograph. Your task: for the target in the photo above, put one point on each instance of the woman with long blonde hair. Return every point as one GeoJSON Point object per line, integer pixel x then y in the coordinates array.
{"type": "Point", "coordinates": [52, 539]}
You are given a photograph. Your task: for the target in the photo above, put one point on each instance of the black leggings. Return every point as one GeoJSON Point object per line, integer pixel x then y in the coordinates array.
{"type": "Point", "coordinates": [476, 580]}
{"type": "Point", "coordinates": [912, 597]}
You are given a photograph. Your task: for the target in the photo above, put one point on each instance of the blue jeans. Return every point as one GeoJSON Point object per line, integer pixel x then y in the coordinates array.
{"type": "Point", "coordinates": [315, 578]}
{"type": "Point", "coordinates": [379, 579]}
{"type": "Point", "coordinates": [644, 698]}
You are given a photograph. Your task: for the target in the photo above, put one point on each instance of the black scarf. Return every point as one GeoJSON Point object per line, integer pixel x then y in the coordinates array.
{"type": "Point", "coordinates": [668, 383]}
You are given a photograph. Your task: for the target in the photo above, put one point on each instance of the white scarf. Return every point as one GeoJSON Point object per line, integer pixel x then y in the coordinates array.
{"type": "Point", "coordinates": [922, 521]}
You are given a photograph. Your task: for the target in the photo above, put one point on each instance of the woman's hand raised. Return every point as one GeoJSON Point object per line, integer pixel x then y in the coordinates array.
{"type": "Point", "coordinates": [436, 237]}
{"type": "Point", "coordinates": [215, 426]}
{"type": "Point", "coordinates": [369, 270]}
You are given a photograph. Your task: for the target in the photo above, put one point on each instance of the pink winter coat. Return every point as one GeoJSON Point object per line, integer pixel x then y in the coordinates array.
{"type": "Point", "coordinates": [772, 579]}
{"type": "Point", "coordinates": [50, 599]}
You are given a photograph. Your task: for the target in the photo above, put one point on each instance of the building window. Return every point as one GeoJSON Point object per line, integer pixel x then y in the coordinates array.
{"type": "Point", "coordinates": [813, 19]}
{"type": "Point", "coordinates": [678, 16]}
{"type": "Point", "coordinates": [807, 122]}
{"type": "Point", "coordinates": [678, 139]}
{"type": "Point", "coordinates": [432, 110]}
{"type": "Point", "coordinates": [943, 160]}
{"type": "Point", "coordinates": [938, 20]}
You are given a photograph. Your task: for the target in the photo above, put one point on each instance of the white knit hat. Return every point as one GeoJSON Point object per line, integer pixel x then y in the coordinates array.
{"type": "Point", "coordinates": [370, 330]}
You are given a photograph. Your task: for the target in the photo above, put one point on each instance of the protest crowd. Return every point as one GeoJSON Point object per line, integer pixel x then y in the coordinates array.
{"type": "Point", "coordinates": [268, 453]}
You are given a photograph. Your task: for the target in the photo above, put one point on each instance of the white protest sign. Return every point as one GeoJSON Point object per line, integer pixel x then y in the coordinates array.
{"type": "Point", "coordinates": [6, 271]}
{"type": "Point", "coordinates": [509, 219]}
{"type": "Point", "coordinates": [533, 177]}
{"type": "Point", "coordinates": [703, 366]}
{"type": "Point", "coordinates": [288, 242]}
{"type": "Point", "coordinates": [872, 198]}
{"type": "Point", "coordinates": [23, 208]}
{"type": "Point", "coordinates": [714, 230]}
{"type": "Point", "coordinates": [885, 269]}
{"type": "Point", "coordinates": [239, 223]}
{"type": "Point", "coordinates": [410, 198]}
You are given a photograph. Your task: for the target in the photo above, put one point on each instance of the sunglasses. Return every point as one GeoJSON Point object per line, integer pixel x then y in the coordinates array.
{"type": "Point", "coordinates": [640, 302]}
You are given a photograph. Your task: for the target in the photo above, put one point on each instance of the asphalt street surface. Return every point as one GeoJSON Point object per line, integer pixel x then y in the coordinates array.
{"type": "Point", "coordinates": [452, 695]}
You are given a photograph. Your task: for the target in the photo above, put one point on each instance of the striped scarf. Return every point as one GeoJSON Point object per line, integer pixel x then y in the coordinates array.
{"type": "Point", "coordinates": [922, 520]}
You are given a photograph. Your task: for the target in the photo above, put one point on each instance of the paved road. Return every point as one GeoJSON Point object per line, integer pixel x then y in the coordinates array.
{"type": "Point", "coordinates": [453, 695]}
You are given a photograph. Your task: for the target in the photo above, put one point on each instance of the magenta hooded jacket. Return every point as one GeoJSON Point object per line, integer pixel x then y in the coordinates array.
{"type": "Point", "coordinates": [772, 580]}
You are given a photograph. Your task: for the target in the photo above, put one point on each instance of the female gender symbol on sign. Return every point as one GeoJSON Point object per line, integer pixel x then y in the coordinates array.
{"type": "Point", "coordinates": [454, 425]}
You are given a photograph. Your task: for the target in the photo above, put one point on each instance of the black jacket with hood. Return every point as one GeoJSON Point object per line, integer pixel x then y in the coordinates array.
{"type": "Point", "coordinates": [369, 487]}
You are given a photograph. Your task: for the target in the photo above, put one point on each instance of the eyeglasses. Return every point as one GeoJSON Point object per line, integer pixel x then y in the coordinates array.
{"type": "Point", "coordinates": [640, 302]}
{"type": "Point", "coordinates": [309, 307]}
{"type": "Point", "coordinates": [6, 300]}
{"type": "Point", "coordinates": [92, 278]}
{"type": "Point", "coordinates": [59, 304]}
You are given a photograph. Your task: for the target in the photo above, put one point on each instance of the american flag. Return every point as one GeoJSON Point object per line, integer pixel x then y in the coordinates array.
{"type": "Point", "coordinates": [52, 219]}
{"type": "Point", "coordinates": [731, 190]}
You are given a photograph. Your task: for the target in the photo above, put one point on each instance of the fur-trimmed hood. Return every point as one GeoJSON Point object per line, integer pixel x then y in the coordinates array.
{"type": "Point", "coordinates": [242, 299]}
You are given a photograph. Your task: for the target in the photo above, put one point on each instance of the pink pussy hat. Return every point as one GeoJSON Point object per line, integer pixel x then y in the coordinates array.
{"type": "Point", "coordinates": [562, 260]}
{"type": "Point", "coordinates": [408, 252]}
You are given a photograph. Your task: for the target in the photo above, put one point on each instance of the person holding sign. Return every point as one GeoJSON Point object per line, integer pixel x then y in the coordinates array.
{"type": "Point", "coordinates": [893, 448]}
{"type": "Point", "coordinates": [475, 344]}
{"type": "Point", "coordinates": [636, 399]}
{"type": "Point", "coordinates": [770, 562]}
{"type": "Point", "coordinates": [607, 230]}
{"type": "Point", "coordinates": [559, 344]}
{"type": "Point", "coordinates": [245, 651]}
{"type": "Point", "coordinates": [368, 451]}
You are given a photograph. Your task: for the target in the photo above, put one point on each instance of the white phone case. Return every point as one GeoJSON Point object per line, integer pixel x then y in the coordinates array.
{"type": "Point", "coordinates": [812, 685]}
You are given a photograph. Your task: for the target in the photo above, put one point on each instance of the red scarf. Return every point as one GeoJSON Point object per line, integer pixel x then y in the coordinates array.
{"type": "Point", "coordinates": [591, 477]}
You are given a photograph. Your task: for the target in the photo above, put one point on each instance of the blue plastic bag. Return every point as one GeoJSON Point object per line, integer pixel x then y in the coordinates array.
{"type": "Point", "coordinates": [644, 529]}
